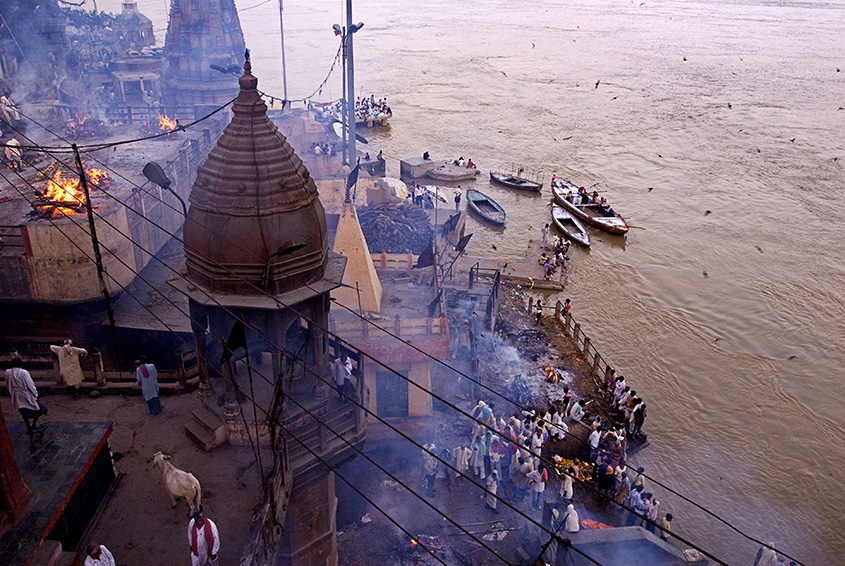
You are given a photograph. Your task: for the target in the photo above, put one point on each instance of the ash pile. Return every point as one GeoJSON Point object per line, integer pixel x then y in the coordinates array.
{"type": "Point", "coordinates": [392, 228]}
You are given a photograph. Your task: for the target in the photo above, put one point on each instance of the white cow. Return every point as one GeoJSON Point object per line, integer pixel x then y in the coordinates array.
{"type": "Point", "coordinates": [179, 483]}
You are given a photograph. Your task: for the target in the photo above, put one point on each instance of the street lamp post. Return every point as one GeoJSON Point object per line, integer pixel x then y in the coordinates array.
{"type": "Point", "coordinates": [348, 105]}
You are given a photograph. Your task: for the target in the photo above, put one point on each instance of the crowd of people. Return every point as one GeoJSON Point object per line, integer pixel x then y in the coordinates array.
{"type": "Point", "coordinates": [321, 148]}
{"type": "Point", "coordinates": [420, 196]}
{"type": "Point", "coordinates": [583, 197]}
{"type": "Point", "coordinates": [461, 162]}
{"type": "Point", "coordinates": [559, 256]}
{"type": "Point", "coordinates": [372, 109]}
{"type": "Point", "coordinates": [516, 457]}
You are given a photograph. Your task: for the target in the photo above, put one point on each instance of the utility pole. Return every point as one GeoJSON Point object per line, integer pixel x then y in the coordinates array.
{"type": "Point", "coordinates": [350, 97]}
{"type": "Point", "coordinates": [284, 69]}
{"type": "Point", "coordinates": [98, 258]}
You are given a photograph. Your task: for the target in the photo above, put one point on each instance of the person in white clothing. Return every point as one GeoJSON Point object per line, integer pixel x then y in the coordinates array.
{"type": "Point", "coordinates": [25, 396]}
{"type": "Point", "coordinates": [343, 376]}
{"type": "Point", "coordinates": [594, 438]}
{"type": "Point", "coordinates": [98, 555]}
{"type": "Point", "coordinates": [204, 541]}
{"type": "Point", "coordinates": [570, 520]}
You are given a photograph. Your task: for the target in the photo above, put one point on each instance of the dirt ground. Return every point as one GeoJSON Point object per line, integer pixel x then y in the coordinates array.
{"type": "Point", "coordinates": [138, 524]}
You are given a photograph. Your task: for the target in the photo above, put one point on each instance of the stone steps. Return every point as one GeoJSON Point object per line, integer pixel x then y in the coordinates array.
{"type": "Point", "coordinates": [206, 428]}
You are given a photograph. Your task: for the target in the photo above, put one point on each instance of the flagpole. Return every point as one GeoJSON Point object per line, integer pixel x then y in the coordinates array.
{"type": "Point", "coordinates": [284, 70]}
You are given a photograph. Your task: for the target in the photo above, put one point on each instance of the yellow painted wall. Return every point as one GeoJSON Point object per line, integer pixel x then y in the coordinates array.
{"type": "Point", "coordinates": [360, 270]}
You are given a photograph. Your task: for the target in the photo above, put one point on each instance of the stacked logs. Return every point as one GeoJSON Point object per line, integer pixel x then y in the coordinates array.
{"type": "Point", "coordinates": [395, 228]}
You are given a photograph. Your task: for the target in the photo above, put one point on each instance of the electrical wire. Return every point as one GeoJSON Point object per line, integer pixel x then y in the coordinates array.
{"type": "Point", "coordinates": [252, 398]}
{"type": "Point", "coordinates": [443, 363]}
{"type": "Point", "coordinates": [550, 464]}
{"type": "Point", "coordinates": [256, 450]}
{"type": "Point", "coordinates": [255, 404]}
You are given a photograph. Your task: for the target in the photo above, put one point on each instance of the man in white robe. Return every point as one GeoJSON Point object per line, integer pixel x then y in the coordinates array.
{"type": "Point", "coordinates": [25, 396]}
{"type": "Point", "coordinates": [570, 520]}
{"type": "Point", "coordinates": [204, 541]}
{"type": "Point", "coordinates": [98, 555]}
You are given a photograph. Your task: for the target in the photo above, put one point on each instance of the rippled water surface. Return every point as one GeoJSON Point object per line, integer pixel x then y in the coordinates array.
{"type": "Point", "coordinates": [717, 128]}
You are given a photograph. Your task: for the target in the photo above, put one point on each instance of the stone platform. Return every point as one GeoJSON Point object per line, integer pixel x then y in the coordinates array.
{"type": "Point", "coordinates": [526, 272]}
{"type": "Point", "coordinates": [69, 470]}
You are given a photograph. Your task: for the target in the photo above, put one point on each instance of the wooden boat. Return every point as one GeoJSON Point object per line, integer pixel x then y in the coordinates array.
{"type": "Point", "coordinates": [569, 224]}
{"type": "Point", "coordinates": [515, 182]}
{"type": "Point", "coordinates": [485, 207]}
{"type": "Point", "coordinates": [603, 218]}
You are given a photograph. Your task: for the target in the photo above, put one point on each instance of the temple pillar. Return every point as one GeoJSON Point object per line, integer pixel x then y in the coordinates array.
{"type": "Point", "coordinates": [310, 531]}
{"type": "Point", "coordinates": [14, 494]}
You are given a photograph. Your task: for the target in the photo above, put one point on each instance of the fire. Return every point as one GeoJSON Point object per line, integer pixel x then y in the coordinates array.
{"type": "Point", "coordinates": [551, 374]}
{"type": "Point", "coordinates": [63, 190]}
{"type": "Point", "coordinates": [165, 123]}
{"type": "Point", "coordinates": [96, 176]}
{"type": "Point", "coordinates": [66, 190]}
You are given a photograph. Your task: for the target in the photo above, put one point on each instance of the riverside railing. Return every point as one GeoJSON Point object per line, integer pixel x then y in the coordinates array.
{"type": "Point", "coordinates": [599, 368]}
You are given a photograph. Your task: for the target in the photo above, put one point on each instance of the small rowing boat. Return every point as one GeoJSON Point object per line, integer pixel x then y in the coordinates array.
{"type": "Point", "coordinates": [515, 182]}
{"type": "Point", "coordinates": [569, 224]}
{"type": "Point", "coordinates": [518, 177]}
{"type": "Point", "coordinates": [485, 207]}
{"type": "Point", "coordinates": [602, 217]}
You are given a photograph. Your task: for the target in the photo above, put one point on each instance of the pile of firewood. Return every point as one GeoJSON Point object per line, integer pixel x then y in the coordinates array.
{"type": "Point", "coordinates": [395, 228]}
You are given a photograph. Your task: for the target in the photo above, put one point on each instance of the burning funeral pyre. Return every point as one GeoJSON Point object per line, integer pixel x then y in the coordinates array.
{"type": "Point", "coordinates": [63, 194]}
{"type": "Point", "coordinates": [162, 125]}
{"type": "Point", "coordinates": [85, 128]}
{"type": "Point", "coordinates": [423, 545]}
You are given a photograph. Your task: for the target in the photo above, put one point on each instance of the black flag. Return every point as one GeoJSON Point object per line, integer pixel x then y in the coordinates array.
{"type": "Point", "coordinates": [432, 306]}
{"type": "Point", "coordinates": [236, 339]}
{"type": "Point", "coordinates": [351, 180]}
{"type": "Point", "coordinates": [462, 243]}
{"type": "Point", "coordinates": [427, 256]}
{"type": "Point", "coordinates": [353, 177]}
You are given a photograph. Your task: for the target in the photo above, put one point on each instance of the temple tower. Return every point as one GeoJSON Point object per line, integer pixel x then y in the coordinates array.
{"type": "Point", "coordinates": [200, 33]}
{"type": "Point", "coordinates": [256, 251]}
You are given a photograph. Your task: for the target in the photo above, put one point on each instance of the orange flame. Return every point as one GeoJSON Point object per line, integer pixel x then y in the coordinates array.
{"type": "Point", "coordinates": [66, 190]}
{"type": "Point", "coordinates": [165, 123]}
{"type": "Point", "coordinates": [551, 374]}
{"type": "Point", "coordinates": [97, 176]}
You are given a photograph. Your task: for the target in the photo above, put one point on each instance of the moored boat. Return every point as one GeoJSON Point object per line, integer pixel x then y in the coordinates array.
{"type": "Point", "coordinates": [515, 182]}
{"type": "Point", "coordinates": [602, 217]}
{"type": "Point", "coordinates": [569, 224]}
{"type": "Point", "coordinates": [518, 177]}
{"type": "Point", "coordinates": [485, 207]}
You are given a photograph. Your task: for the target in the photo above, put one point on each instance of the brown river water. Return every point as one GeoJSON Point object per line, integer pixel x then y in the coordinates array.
{"type": "Point", "coordinates": [717, 129]}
